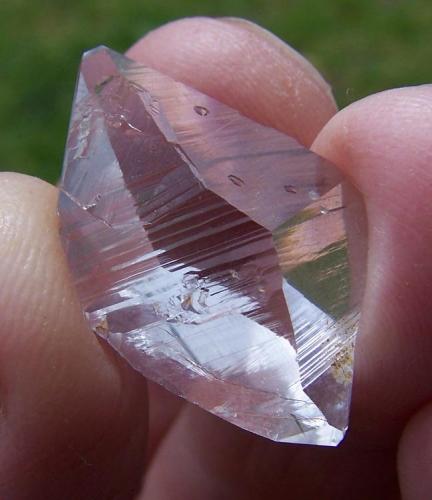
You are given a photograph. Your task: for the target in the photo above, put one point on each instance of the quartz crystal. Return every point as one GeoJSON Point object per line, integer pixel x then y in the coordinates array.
{"type": "Point", "coordinates": [211, 251]}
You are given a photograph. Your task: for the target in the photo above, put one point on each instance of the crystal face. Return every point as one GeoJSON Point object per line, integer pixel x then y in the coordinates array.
{"type": "Point", "coordinates": [211, 251]}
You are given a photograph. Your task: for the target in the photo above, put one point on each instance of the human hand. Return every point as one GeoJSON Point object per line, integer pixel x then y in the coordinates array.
{"type": "Point", "coordinates": [73, 415]}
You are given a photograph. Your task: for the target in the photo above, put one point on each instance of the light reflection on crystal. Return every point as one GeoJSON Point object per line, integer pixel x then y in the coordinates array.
{"type": "Point", "coordinates": [210, 251]}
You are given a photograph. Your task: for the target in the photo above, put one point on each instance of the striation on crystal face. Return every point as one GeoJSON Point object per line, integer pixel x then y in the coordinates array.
{"type": "Point", "coordinates": [211, 251]}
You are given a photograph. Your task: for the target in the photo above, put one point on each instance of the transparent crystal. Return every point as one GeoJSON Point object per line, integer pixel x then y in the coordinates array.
{"type": "Point", "coordinates": [211, 251]}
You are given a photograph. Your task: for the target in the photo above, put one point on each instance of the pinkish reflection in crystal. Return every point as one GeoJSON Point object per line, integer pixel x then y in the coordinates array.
{"type": "Point", "coordinates": [210, 251]}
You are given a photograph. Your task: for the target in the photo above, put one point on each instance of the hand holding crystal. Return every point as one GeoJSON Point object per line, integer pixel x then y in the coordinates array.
{"type": "Point", "coordinates": [73, 413]}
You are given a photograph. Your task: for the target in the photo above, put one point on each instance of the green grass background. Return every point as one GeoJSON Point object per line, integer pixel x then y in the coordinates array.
{"type": "Point", "coordinates": [361, 46]}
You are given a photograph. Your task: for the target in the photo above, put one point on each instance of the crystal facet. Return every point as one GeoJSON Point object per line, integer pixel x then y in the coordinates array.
{"type": "Point", "coordinates": [210, 251]}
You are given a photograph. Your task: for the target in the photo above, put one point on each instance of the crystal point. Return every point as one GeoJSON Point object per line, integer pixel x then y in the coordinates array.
{"type": "Point", "coordinates": [210, 251]}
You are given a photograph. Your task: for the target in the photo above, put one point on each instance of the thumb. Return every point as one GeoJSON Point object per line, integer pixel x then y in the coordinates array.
{"type": "Point", "coordinates": [72, 415]}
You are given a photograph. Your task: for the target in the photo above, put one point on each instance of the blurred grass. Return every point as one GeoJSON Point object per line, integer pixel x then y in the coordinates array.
{"type": "Point", "coordinates": [360, 47]}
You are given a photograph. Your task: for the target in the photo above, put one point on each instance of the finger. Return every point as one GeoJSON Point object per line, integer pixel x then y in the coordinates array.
{"type": "Point", "coordinates": [272, 84]}
{"type": "Point", "coordinates": [244, 66]}
{"type": "Point", "coordinates": [415, 457]}
{"type": "Point", "coordinates": [383, 144]}
{"type": "Point", "coordinates": [72, 415]}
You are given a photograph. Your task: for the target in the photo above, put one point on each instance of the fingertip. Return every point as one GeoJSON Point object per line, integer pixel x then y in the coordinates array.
{"type": "Point", "coordinates": [244, 66]}
{"type": "Point", "coordinates": [287, 50]}
{"type": "Point", "coordinates": [389, 129]}
{"type": "Point", "coordinates": [13, 183]}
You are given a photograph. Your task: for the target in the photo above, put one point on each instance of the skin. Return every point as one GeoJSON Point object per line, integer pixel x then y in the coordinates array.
{"type": "Point", "coordinates": [73, 416]}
